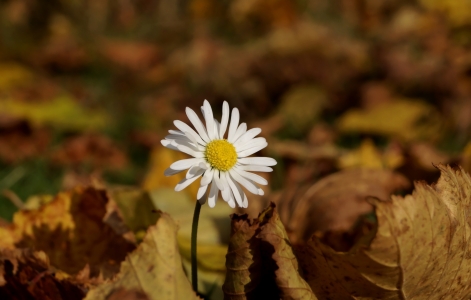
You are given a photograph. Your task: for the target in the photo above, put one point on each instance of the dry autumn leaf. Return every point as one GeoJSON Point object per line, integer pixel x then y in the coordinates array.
{"type": "Point", "coordinates": [74, 230]}
{"type": "Point", "coordinates": [419, 250]}
{"type": "Point", "coordinates": [337, 201]}
{"type": "Point", "coordinates": [260, 261]}
{"type": "Point", "coordinates": [25, 274]}
{"type": "Point", "coordinates": [154, 268]}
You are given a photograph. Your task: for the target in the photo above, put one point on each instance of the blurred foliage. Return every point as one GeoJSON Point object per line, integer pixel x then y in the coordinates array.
{"type": "Point", "coordinates": [89, 88]}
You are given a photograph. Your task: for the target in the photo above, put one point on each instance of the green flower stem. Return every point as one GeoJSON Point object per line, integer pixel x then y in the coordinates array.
{"type": "Point", "coordinates": [194, 233]}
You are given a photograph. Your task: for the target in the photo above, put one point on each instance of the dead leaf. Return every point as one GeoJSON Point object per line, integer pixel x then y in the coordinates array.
{"type": "Point", "coordinates": [161, 158]}
{"type": "Point", "coordinates": [96, 150]}
{"type": "Point", "coordinates": [301, 106]}
{"type": "Point", "coordinates": [62, 112]}
{"type": "Point", "coordinates": [25, 274]}
{"type": "Point", "coordinates": [283, 262]}
{"type": "Point", "coordinates": [337, 201]}
{"type": "Point", "coordinates": [370, 157]}
{"type": "Point", "coordinates": [19, 141]}
{"type": "Point", "coordinates": [73, 231]}
{"type": "Point", "coordinates": [404, 119]}
{"type": "Point", "coordinates": [418, 251]}
{"type": "Point", "coordinates": [154, 268]}
{"type": "Point", "coordinates": [260, 261]}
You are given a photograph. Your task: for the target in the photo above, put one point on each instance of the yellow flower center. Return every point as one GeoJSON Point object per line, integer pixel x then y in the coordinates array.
{"type": "Point", "coordinates": [221, 155]}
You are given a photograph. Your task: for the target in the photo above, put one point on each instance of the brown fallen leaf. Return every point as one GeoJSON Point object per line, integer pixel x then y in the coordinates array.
{"type": "Point", "coordinates": [419, 250]}
{"type": "Point", "coordinates": [74, 229]}
{"type": "Point", "coordinates": [25, 274]}
{"type": "Point", "coordinates": [336, 201]}
{"type": "Point", "coordinates": [154, 268]}
{"type": "Point", "coordinates": [283, 262]}
{"type": "Point", "coordinates": [260, 261]}
{"type": "Point", "coordinates": [96, 150]}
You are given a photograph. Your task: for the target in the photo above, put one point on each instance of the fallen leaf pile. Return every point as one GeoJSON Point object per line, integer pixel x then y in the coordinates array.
{"type": "Point", "coordinates": [365, 105]}
{"type": "Point", "coordinates": [418, 250]}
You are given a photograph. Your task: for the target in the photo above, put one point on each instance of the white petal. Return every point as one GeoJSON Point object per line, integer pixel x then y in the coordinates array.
{"type": "Point", "coordinates": [239, 132]}
{"type": "Point", "coordinates": [246, 137]}
{"type": "Point", "coordinates": [216, 129]}
{"type": "Point", "coordinates": [261, 192]}
{"type": "Point", "coordinates": [213, 195]}
{"type": "Point", "coordinates": [189, 151]}
{"type": "Point", "coordinates": [193, 171]}
{"type": "Point", "coordinates": [255, 168]}
{"type": "Point", "coordinates": [185, 128]}
{"type": "Point", "coordinates": [234, 122]}
{"type": "Point", "coordinates": [208, 115]}
{"type": "Point", "coordinates": [170, 172]}
{"type": "Point", "coordinates": [177, 132]}
{"type": "Point", "coordinates": [251, 150]}
{"type": "Point", "coordinates": [201, 192]}
{"type": "Point", "coordinates": [224, 119]}
{"type": "Point", "coordinates": [253, 143]}
{"type": "Point", "coordinates": [226, 191]}
{"type": "Point", "coordinates": [244, 182]}
{"type": "Point", "coordinates": [197, 123]}
{"type": "Point", "coordinates": [195, 139]}
{"type": "Point", "coordinates": [244, 203]}
{"type": "Point", "coordinates": [207, 178]}
{"type": "Point", "coordinates": [234, 189]}
{"type": "Point", "coordinates": [185, 163]}
{"type": "Point", "coordinates": [218, 180]}
{"type": "Point", "coordinates": [177, 137]}
{"type": "Point", "coordinates": [168, 144]}
{"type": "Point", "coordinates": [254, 177]}
{"type": "Point", "coordinates": [231, 203]}
{"type": "Point", "coordinates": [259, 161]}
{"type": "Point", "coordinates": [186, 182]}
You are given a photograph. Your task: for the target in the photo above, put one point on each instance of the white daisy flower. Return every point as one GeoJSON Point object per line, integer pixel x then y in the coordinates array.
{"type": "Point", "coordinates": [222, 163]}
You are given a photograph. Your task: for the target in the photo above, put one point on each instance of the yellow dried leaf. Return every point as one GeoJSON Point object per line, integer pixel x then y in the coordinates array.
{"type": "Point", "coordinates": [61, 112]}
{"type": "Point", "coordinates": [368, 156]}
{"type": "Point", "coordinates": [154, 268]}
{"type": "Point", "coordinates": [260, 261]}
{"type": "Point", "coordinates": [404, 119]}
{"type": "Point", "coordinates": [458, 12]}
{"type": "Point", "coordinates": [283, 262]}
{"type": "Point", "coordinates": [419, 250]}
{"type": "Point", "coordinates": [301, 106]}
{"type": "Point", "coordinates": [161, 158]}
{"type": "Point", "coordinates": [71, 230]}
{"type": "Point", "coordinates": [12, 75]}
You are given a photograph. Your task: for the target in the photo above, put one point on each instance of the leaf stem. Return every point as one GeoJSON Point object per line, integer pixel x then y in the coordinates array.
{"type": "Point", "coordinates": [194, 233]}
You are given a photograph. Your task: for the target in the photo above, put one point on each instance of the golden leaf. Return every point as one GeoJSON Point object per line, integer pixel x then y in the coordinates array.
{"type": "Point", "coordinates": [405, 119]}
{"type": "Point", "coordinates": [154, 268]}
{"type": "Point", "coordinates": [61, 112]}
{"type": "Point", "coordinates": [260, 261]}
{"type": "Point", "coordinates": [419, 250]}
{"type": "Point", "coordinates": [72, 231]}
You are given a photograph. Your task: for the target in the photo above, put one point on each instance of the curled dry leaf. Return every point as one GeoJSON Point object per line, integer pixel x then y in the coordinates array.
{"type": "Point", "coordinates": [337, 201]}
{"type": "Point", "coordinates": [25, 274]}
{"type": "Point", "coordinates": [419, 250]}
{"type": "Point", "coordinates": [260, 261]}
{"type": "Point", "coordinates": [154, 268]}
{"type": "Point", "coordinates": [73, 231]}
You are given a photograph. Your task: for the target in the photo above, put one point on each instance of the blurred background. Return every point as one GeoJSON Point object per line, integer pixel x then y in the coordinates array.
{"type": "Point", "coordinates": [89, 88]}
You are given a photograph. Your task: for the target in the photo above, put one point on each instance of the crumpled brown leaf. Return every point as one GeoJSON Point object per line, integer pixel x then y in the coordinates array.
{"type": "Point", "coordinates": [154, 268]}
{"type": "Point", "coordinates": [260, 261]}
{"type": "Point", "coordinates": [25, 274]}
{"type": "Point", "coordinates": [419, 250]}
{"type": "Point", "coordinates": [74, 229]}
{"type": "Point", "coordinates": [336, 201]}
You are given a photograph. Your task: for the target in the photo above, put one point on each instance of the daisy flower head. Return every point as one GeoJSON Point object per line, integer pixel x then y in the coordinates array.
{"type": "Point", "coordinates": [220, 160]}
